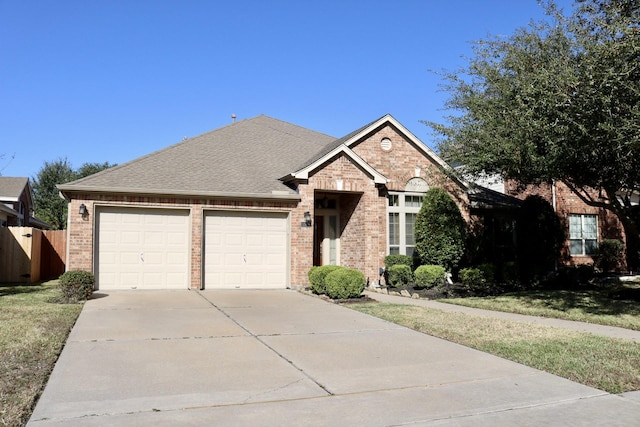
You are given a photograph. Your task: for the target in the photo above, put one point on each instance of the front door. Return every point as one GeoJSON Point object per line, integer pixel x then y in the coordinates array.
{"type": "Point", "coordinates": [326, 239]}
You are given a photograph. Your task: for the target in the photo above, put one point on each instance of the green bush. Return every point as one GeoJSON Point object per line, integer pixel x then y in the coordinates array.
{"type": "Point", "coordinates": [609, 255]}
{"type": "Point", "coordinates": [398, 275]}
{"type": "Point", "coordinates": [317, 277]}
{"type": "Point", "coordinates": [510, 273]}
{"type": "Point", "coordinates": [429, 276]}
{"type": "Point", "coordinates": [488, 272]}
{"type": "Point", "coordinates": [472, 279]}
{"type": "Point", "coordinates": [391, 260]}
{"type": "Point", "coordinates": [440, 230]}
{"type": "Point", "coordinates": [344, 283]}
{"type": "Point", "coordinates": [76, 285]}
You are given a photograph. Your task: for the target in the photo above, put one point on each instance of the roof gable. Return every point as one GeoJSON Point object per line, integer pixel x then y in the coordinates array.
{"type": "Point", "coordinates": [11, 188]}
{"type": "Point", "coordinates": [303, 173]}
{"type": "Point", "coordinates": [358, 135]}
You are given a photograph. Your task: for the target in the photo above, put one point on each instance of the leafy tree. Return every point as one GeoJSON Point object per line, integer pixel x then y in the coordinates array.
{"type": "Point", "coordinates": [90, 168]}
{"type": "Point", "coordinates": [557, 100]}
{"type": "Point", "coordinates": [49, 206]}
{"type": "Point", "coordinates": [440, 230]}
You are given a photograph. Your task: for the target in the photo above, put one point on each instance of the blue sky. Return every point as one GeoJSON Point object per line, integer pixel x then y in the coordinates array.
{"type": "Point", "coordinates": [97, 81]}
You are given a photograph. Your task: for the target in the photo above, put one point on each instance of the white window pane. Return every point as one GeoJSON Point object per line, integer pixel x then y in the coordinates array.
{"type": "Point", "coordinates": [413, 201]}
{"type": "Point", "coordinates": [590, 230]}
{"type": "Point", "coordinates": [590, 247]}
{"type": "Point", "coordinates": [575, 226]}
{"type": "Point", "coordinates": [394, 228]}
{"type": "Point", "coordinates": [394, 250]}
{"type": "Point", "coordinates": [409, 229]}
{"type": "Point", "coordinates": [394, 200]}
{"type": "Point", "coordinates": [576, 246]}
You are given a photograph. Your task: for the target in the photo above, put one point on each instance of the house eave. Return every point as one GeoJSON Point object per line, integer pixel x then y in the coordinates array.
{"type": "Point", "coordinates": [303, 174]}
{"type": "Point", "coordinates": [68, 193]}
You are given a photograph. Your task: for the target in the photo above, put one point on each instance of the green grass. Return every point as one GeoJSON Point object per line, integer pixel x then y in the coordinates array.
{"type": "Point", "coordinates": [33, 330]}
{"type": "Point", "coordinates": [593, 306]}
{"type": "Point", "coordinates": [608, 364]}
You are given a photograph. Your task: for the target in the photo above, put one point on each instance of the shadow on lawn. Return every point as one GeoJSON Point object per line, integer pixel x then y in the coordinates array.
{"type": "Point", "coordinates": [596, 302]}
{"type": "Point", "coordinates": [20, 288]}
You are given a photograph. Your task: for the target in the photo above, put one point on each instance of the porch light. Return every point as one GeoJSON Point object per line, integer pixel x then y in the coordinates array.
{"type": "Point", "coordinates": [307, 220]}
{"type": "Point", "coordinates": [83, 210]}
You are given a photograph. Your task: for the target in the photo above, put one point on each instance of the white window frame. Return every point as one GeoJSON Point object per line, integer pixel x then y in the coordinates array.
{"type": "Point", "coordinates": [579, 235]}
{"type": "Point", "coordinates": [402, 210]}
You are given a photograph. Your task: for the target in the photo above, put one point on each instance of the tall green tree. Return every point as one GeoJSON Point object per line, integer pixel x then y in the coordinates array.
{"type": "Point", "coordinates": [49, 206]}
{"type": "Point", "coordinates": [557, 100]}
{"type": "Point", "coordinates": [440, 230]}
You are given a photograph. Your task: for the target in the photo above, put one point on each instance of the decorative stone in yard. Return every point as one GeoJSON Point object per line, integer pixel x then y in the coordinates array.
{"type": "Point", "coordinates": [405, 293]}
{"type": "Point", "coordinates": [415, 296]}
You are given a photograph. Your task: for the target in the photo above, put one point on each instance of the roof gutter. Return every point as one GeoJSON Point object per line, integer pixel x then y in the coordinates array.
{"type": "Point", "coordinates": [67, 193]}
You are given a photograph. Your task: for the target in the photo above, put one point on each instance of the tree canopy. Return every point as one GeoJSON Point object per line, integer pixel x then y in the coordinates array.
{"type": "Point", "coordinates": [557, 100]}
{"type": "Point", "coordinates": [49, 206]}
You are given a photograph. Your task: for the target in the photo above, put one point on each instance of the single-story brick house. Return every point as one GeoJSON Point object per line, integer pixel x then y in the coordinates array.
{"type": "Point", "coordinates": [256, 204]}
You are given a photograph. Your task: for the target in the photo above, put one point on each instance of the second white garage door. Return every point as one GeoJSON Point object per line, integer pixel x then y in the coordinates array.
{"type": "Point", "coordinates": [245, 250]}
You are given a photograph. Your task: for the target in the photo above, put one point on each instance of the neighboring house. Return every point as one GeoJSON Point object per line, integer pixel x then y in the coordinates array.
{"type": "Point", "coordinates": [16, 204]}
{"type": "Point", "coordinates": [256, 204]}
{"type": "Point", "coordinates": [586, 225]}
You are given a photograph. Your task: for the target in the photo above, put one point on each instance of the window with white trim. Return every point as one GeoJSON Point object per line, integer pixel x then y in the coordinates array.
{"type": "Point", "coordinates": [583, 234]}
{"type": "Point", "coordinates": [402, 211]}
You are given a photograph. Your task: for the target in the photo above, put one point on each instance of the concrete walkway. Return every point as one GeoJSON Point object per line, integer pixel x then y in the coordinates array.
{"type": "Point", "coordinates": [609, 331]}
{"type": "Point", "coordinates": [273, 358]}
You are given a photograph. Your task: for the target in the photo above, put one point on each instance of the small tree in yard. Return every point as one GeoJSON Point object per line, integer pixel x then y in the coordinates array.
{"type": "Point", "coordinates": [440, 230]}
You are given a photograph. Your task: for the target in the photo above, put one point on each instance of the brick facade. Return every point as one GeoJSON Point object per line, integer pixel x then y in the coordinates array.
{"type": "Point", "coordinates": [566, 202]}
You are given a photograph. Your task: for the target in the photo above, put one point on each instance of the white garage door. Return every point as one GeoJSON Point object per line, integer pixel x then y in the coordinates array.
{"type": "Point", "coordinates": [246, 250]}
{"type": "Point", "coordinates": [142, 248]}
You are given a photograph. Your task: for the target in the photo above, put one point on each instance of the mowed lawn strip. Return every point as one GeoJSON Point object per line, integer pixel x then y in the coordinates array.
{"type": "Point", "coordinates": [608, 364]}
{"type": "Point", "coordinates": [592, 306]}
{"type": "Point", "coordinates": [33, 330]}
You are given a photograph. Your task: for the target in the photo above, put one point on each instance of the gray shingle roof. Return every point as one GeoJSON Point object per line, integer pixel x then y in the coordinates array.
{"type": "Point", "coordinates": [12, 187]}
{"type": "Point", "coordinates": [244, 158]}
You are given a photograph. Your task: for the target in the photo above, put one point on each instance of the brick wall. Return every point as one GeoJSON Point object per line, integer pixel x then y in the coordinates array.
{"type": "Point", "coordinates": [566, 203]}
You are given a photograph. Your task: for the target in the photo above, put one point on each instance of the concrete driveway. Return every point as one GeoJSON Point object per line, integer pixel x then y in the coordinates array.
{"type": "Point", "coordinates": [249, 358]}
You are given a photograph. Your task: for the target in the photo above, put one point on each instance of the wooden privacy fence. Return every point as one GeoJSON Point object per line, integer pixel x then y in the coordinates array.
{"type": "Point", "coordinates": [30, 255]}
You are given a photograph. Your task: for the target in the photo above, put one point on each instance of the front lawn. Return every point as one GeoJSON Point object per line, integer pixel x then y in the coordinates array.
{"type": "Point", "coordinates": [593, 306]}
{"type": "Point", "coordinates": [33, 330]}
{"type": "Point", "coordinates": [608, 364]}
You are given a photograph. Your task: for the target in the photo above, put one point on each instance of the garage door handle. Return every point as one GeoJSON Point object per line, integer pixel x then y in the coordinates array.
{"type": "Point", "coordinates": [142, 256]}
{"type": "Point", "coordinates": [244, 256]}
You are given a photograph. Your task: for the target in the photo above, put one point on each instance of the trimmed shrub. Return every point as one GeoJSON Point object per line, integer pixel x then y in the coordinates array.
{"type": "Point", "coordinates": [472, 279]}
{"type": "Point", "coordinates": [391, 260]}
{"type": "Point", "coordinates": [399, 275]}
{"type": "Point", "coordinates": [345, 283]}
{"type": "Point", "coordinates": [440, 230]}
{"type": "Point", "coordinates": [76, 285]}
{"type": "Point", "coordinates": [317, 277]}
{"type": "Point", "coordinates": [609, 255]}
{"type": "Point", "coordinates": [429, 276]}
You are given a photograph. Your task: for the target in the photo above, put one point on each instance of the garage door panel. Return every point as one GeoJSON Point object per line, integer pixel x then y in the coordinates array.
{"type": "Point", "coordinates": [142, 248]}
{"type": "Point", "coordinates": [239, 248]}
